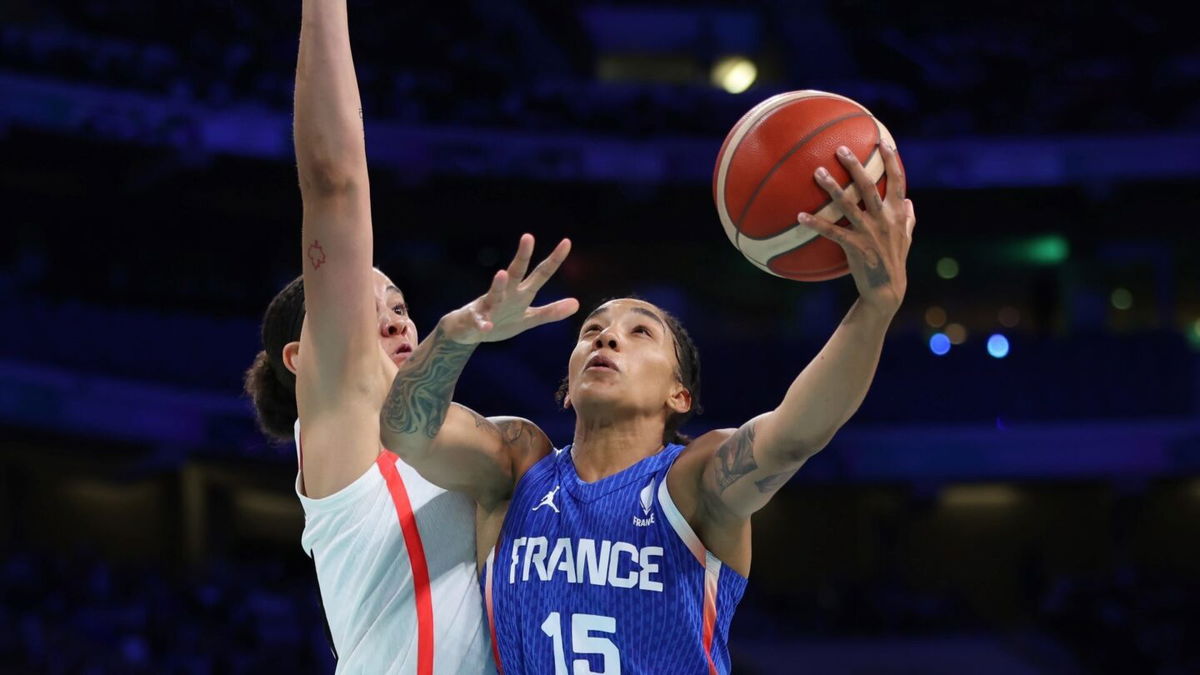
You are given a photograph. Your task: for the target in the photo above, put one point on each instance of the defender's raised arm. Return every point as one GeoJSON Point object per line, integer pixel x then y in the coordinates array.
{"type": "Point", "coordinates": [451, 445]}
{"type": "Point", "coordinates": [339, 348]}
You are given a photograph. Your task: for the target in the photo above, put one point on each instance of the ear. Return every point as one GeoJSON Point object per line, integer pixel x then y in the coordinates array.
{"type": "Point", "coordinates": [680, 399]}
{"type": "Point", "coordinates": [567, 402]}
{"type": "Point", "coordinates": [291, 352]}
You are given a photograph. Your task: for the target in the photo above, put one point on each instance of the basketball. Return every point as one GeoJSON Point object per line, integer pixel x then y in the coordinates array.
{"type": "Point", "coordinates": [764, 177]}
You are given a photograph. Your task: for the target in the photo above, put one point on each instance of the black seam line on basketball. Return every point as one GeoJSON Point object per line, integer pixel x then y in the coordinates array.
{"type": "Point", "coordinates": [766, 114]}
{"type": "Point", "coordinates": [816, 211]}
{"type": "Point", "coordinates": [878, 140]}
{"type": "Point", "coordinates": [795, 148]}
{"type": "Point", "coordinates": [762, 118]}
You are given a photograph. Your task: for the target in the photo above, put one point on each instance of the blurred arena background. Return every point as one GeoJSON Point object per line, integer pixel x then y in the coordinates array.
{"type": "Point", "coordinates": [1020, 493]}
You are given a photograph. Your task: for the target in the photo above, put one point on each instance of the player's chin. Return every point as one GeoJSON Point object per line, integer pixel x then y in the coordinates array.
{"type": "Point", "coordinates": [597, 391]}
{"type": "Point", "coordinates": [604, 384]}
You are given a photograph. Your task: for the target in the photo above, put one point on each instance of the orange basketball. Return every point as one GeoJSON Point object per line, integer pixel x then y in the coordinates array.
{"type": "Point", "coordinates": [764, 178]}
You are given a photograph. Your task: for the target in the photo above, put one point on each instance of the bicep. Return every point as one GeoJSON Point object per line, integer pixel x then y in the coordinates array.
{"type": "Point", "coordinates": [746, 467]}
{"type": "Point", "coordinates": [479, 456]}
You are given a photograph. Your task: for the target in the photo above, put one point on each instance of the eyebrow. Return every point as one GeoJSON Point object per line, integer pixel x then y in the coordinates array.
{"type": "Point", "coordinates": [393, 289]}
{"type": "Point", "coordinates": [595, 313]}
{"type": "Point", "coordinates": [639, 310]}
{"type": "Point", "coordinates": [652, 315]}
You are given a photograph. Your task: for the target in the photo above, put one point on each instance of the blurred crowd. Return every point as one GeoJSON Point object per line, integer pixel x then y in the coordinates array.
{"type": "Point", "coordinates": [82, 614]}
{"type": "Point", "coordinates": [1128, 622]}
{"type": "Point", "coordinates": [928, 69]}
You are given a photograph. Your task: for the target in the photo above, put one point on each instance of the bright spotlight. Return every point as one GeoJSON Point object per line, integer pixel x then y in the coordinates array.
{"type": "Point", "coordinates": [939, 344]}
{"type": "Point", "coordinates": [998, 346]}
{"type": "Point", "coordinates": [734, 74]}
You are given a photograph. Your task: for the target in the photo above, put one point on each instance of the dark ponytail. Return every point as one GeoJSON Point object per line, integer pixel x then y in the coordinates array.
{"type": "Point", "coordinates": [271, 386]}
{"type": "Point", "coordinates": [274, 401]}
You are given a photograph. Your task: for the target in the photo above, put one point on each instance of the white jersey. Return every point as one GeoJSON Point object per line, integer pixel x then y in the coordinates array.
{"type": "Point", "coordinates": [395, 559]}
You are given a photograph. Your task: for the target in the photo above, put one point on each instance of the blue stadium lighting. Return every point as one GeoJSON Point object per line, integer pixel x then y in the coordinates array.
{"type": "Point", "coordinates": [998, 346]}
{"type": "Point", "coordinates": [939, 344]}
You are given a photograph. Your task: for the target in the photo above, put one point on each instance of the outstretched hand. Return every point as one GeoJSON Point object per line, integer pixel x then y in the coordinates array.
{"type": "Point", "coordinates": [880, 232]}
{"type": "Point", "coordinates": [504, 311]}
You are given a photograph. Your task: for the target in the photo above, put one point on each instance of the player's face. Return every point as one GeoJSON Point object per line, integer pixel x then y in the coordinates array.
{"type": "Point", "coordinates": [397, 332]}
{"type": "Point", "coordinates": [624, 361]}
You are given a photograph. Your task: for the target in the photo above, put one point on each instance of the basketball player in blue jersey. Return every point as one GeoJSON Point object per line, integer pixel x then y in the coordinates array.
{"type": "Point", "coordinates": [628, 550]}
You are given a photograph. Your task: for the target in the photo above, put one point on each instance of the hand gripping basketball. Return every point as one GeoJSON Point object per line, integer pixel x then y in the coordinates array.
{"type": "Point", "coordinates": [504, 311]}
{"type": "Point", "coordinates": [879, 233]}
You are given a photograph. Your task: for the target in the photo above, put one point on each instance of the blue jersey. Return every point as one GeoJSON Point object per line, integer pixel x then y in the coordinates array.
{"type": "Point", "coordinates": [605, 577]}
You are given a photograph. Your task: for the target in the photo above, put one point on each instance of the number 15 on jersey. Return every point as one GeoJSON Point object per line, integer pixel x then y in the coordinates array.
{"type": "Point", "coordinates": [584, 641]}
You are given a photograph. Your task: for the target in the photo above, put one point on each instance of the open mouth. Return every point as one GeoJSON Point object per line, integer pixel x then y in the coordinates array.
{"type": "Point", "coordinates": [599, 361]}
{"type": "Point", "coordinates": [403, 350]}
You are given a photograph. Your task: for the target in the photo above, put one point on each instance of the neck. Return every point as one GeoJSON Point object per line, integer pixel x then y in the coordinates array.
{"type": "Point", "coordinates": [605, 446]}
{"type": "Point", "coordinates": [387, 373]}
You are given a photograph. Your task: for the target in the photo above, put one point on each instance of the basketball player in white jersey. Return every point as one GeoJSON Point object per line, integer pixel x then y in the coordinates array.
{"type": "Point", "coordinates": [395, 555]}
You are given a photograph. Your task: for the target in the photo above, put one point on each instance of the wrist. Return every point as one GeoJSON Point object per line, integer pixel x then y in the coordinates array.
{"type": "Point", "coordinates": [880, 311]}
{"type": "Point", "coordinates": [458, 329]}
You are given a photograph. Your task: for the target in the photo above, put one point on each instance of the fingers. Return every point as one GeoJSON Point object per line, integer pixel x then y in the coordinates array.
{"type": "Point", "coordinates": [866, 187]}
{"type": "Point", "coordinates": [520, 262]}
{"type": "Point", "coordinates": [897, 182]}
{"type": "Point", "coordinates": [482, 310]}
{"type": "Point", "coordinates": [546, 269]}
{"type": "Point", "coordinates": [842, 236]}
{"type": "Point", "coordinates": [846, 200]}
{"type": "Point", "coordinates": [555, 311]}
{"type": "Point", "coordinates": [495, 292]}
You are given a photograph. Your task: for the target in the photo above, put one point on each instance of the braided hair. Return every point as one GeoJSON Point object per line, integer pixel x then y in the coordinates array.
{"type": "Point", "coordinates": [687, 371]}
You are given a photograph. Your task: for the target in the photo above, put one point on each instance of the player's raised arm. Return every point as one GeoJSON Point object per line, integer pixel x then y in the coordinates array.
{"type": "Point", "coordinates": [450, 445]}
{"type": "Point", "coordinates": [742, 469]}
{"type": "Point", "coordinates": [332, 163]}
{"type": "Point", "coordinates": [339, 346]}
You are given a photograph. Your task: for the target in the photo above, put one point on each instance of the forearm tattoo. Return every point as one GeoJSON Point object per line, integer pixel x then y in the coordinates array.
{"type": "Point", "coordinates": [735, 457]}
{"type": "Point", "coordinates": [421, 392]}
{"type": "Point", "coordinates": [316, 254]}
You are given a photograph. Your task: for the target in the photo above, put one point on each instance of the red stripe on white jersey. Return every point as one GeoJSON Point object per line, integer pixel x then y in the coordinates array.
{"type": "Point", "coordinates": [491, 614]}
{"type": "Point", "coordinates": [386, 462]}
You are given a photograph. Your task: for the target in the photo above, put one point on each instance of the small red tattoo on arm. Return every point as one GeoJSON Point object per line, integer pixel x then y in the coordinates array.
{"type": "Point", "coordinates": [316, 254]}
